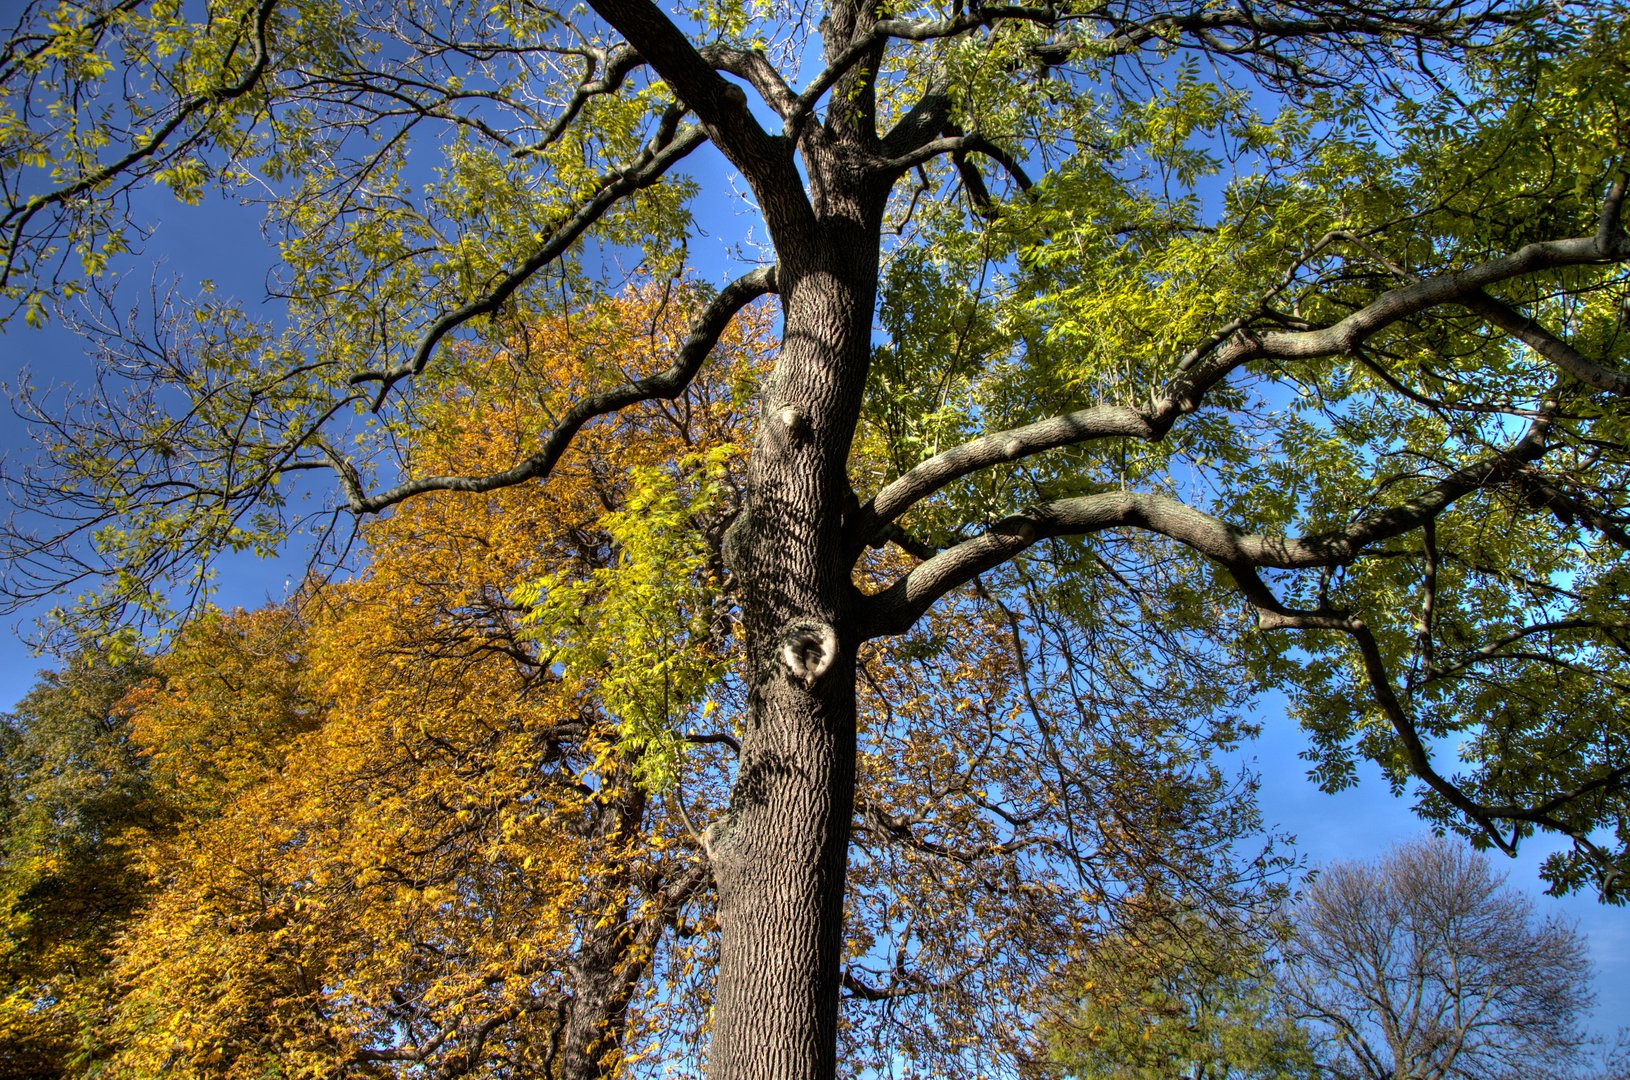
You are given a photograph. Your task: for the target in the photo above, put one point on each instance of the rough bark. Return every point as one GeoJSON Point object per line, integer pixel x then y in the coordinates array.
{"type": "Point", "coordinates": [780, 851]}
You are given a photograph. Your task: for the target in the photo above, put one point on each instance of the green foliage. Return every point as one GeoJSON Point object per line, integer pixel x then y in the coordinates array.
{"type": "Point", "coordinates": [1506, 650]}
{"type": "Point", "coordinates": [1174, 997]}
{"type": "Point", "coordinates": [74, 791]}
{"type": "Point", "coordinates": [639, 631]}
{"type": "Point", "coordinates": [377, 200]}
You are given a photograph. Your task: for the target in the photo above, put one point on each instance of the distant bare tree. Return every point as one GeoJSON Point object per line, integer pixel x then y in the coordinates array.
{"type": "Point", "coordinates": [1423, 965]}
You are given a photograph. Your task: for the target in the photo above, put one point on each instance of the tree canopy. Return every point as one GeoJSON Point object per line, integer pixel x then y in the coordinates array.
{"type": "Point", "coordinates": [71, 790]}
{"type": "Point", "coordinates": [1178, 996]}
{"type": "Point", "coordinates": [416, 823]}
{"type": "Point", "coordinates": [1168, 351]}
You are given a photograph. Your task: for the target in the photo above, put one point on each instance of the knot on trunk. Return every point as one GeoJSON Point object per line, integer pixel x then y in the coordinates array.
{"type": "Point", "coordinates": [794, 425]}
{"type": "Point", "coordinates": [807, 648]}
{"type": "Point", "coordinates": [716, 836]}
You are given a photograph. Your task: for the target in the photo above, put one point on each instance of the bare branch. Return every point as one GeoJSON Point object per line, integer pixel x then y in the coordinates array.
{"type": "Point", "coordinates": [879, 822]}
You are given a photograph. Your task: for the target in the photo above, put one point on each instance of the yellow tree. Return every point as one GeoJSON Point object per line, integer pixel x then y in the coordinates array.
{"type": "Point", "coordinates": [440, 848]}
{"type": "Point", "coordinates": [217, 723]}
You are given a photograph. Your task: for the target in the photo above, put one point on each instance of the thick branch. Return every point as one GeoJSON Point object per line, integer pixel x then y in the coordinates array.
{"type": "Point", "coordinates": [1456, 287]}
{"type": "Point", "coordinates": [1548, 345]}
{"type": "Point", "coordinates": [1099, 422]}
{"type": "Point", "coordinates": [666, 385]}
{"type": "Point", "coordinates": [976, 143]}
{"type": "Point", "coordinates": [894, 610]}
{"type": "Point", "coordinates": [922, 122]}
{"type": "Point", "coordinates": [721, 106]}
{"type": "Point", "coordinates": [1242, 554]}
{"type": "Point", "coordinates": [1610, 233]}
{"type": "Point", "coordinates": [911, 143]}
{"type": "Point", "coordinates": [753, 66]}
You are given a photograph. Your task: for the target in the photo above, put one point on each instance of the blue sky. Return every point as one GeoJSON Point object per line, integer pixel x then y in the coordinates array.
{"type": "Point", "coordinates": [221, 242]}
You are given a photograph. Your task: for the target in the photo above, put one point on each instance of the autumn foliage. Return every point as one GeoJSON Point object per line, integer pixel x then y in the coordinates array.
{"type": "Point", "coordinates": [402, 829]}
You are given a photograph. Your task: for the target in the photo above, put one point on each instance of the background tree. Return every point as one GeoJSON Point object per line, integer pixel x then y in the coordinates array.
{"type": "Point", "coordinates": [74, 793]}
{"type": "Point", "coordinates": [1373, 392]}
{"type": "Point", "coordinates": [1423, 963]}
{"type": "Point", "coordinates": [1176, 997]}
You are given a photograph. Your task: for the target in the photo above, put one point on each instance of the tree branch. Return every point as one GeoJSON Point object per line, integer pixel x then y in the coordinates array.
{"type": "Point", "coordinates": [905, 153]}
{"type": "Point", "coordinates": [1494, 650]}
{"type": "Point", "coordinates": [1531, 333]}
{"type": "Point", "coordinates": [1084, 425]}
{"type": "Point", "coordinates": [720, 105]}
{"type": "Point", "coordinates": [1420, 761]}
{"type": "Point", "coordinates": [16, 218]}
{"type": "Point", "coordinates": [753, 66]}
{"type": "Point", "coordinates": [667, 385]}
{"type": "Point", "coordinates": [891, 829]}
{"type": "Point", "coordinates": [619, 64]}
{"type": "Point", "coordinates": [896, 608]}
{"type": "Point", "coordinates": [666, 148]}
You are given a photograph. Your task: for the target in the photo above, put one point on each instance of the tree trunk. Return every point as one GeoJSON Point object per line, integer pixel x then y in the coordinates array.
{"type": "Point", "coordinates": [781, 849]}
{"type": "Point", "coordinates": [615, 948]}
{"type": "Point", "coordinates": [591, 1044]}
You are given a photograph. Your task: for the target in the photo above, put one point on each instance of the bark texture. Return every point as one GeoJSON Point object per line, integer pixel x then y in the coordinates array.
{"type": "Point", "coordinates": [780, 851]}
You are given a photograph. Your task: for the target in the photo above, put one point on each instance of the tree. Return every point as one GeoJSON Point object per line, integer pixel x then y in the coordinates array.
{"type": "Point", "coordinates": [1179, 997]}
{"type": "Point", "coordinates": [471, 856]}
{"type": "Point", "coordinates": [73, 791]}
{"type": "Point", "coordinates": [1373, 393]}
{"type": "Point", "coordinates": [1423, 963]}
